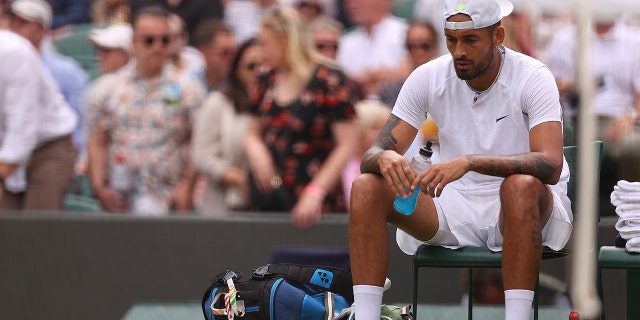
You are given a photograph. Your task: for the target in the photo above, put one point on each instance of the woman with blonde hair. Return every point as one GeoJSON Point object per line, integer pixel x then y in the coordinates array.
{"type": "Point", "coordinates": [301, 131]}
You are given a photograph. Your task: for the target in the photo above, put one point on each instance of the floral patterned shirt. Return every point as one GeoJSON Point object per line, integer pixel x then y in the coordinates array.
{"type": "Point", "coordinates": [299, 135]}
{"type": "Point", "coordinates": [148, 122]}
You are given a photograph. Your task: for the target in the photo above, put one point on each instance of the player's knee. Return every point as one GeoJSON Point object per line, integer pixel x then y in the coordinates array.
{"type": "Point", "coordinates": [520, 186]}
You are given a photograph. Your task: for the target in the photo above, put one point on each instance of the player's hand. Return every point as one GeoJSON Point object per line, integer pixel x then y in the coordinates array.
{"type": "Point", "coordinates": [433, 180]}
{"type": "Point", "coordinates": [398, 173]}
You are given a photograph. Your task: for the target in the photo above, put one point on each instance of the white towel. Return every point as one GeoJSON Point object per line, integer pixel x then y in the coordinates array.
{"type": "Point", "coordinates": [633, 244]}
{"type": "Point", "coordinates": [628, 211]}
{"type": "Point", "coordinates": [618, 196]}
{"type": "Point", "coordinates": [628, 228]}
{"type": "Point", "coordinates": [629, 186]}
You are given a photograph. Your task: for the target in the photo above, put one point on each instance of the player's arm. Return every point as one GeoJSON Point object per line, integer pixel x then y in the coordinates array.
{"type": "Point", "coordinates": [544, 161]}
{"type": "Point", "coordinates": [385, 156]}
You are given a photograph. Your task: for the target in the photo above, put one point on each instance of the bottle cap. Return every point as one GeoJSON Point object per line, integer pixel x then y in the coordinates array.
{"type": "Point", "coordinates": [426, 150]}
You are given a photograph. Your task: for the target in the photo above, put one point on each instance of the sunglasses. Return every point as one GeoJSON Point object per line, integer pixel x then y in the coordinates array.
{"type": "Point", "coordinates": [333, 46]}
{"type": "Point", "coordinates": [149, 41]}
{"type": "Point", "coordinates": [423, 46]}
{"type": "Point", "coordinates": [308, 5]}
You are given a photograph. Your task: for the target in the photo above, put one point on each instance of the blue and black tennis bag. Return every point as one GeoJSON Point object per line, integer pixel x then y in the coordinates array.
{"type": "Point", "coordinates": [279, 292]}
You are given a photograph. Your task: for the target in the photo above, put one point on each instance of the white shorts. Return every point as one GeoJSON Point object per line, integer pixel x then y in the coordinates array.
{"type": "Point", "coordinates": [469, 218]}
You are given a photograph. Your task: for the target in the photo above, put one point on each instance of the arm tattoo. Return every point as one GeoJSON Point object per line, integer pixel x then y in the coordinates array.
{"type": "Point", "coordinates": [384, 141]}
{"type": "Point", "coordinates": [534, 164]}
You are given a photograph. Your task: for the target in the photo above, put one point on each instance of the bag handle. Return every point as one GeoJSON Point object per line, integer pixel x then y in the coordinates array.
{"type": "Point", "coordinates": [326, 278]}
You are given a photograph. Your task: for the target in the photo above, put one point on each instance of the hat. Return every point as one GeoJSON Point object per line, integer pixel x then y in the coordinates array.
{"type": "Point", "coordinates": [116, 36]}
{"type": "Point", "coordinates": [33, 10]}
{"type": "Point", "coordinates": [483, 13]}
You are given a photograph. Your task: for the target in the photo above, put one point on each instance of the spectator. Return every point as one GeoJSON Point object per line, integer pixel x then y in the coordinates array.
{"type": "Point", "coordinates": [325, 32]}
{"type": "Point", "coordinates": [372, 115]}
{"type": "Point", "coordinates": [108, 12]}
{"type": "Point", "coordinates": [70, 12]}
{"type": "Point", "coordinates": [501, 181]}
{"type": "Point", "coordinates": [219, 129]}
{"type": "Point", "coordinates": [616, 102]}
{"type": "Point", "coordinates": [309, 10]}
{"type": "Point", "coordinates": [113, 45]}
{"type": "Point", "coordinates": [243, 17]}
{"type": "Point", "coordinates": [192, 12]}
{"type": "Point", "coordinates": [141, 116]}
{"type": "Point", "coordinates": [373, 52]}
{"type": "Point", "coordinates": [301, 132]}
{"type": "Point", "coordinates": [215, 43]}
{"type": "Point", "coordinates": [422, 45]}
{"type": "Point", "coordinates": [31, 19]}
{"type": "Point", "coordinates": [36, 151]}
{"type": "Point", "coordinates": [183, 56]}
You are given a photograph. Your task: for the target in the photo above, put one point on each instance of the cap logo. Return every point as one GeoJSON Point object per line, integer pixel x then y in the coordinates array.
{"type": "Point", "coordinates": [460, 6]}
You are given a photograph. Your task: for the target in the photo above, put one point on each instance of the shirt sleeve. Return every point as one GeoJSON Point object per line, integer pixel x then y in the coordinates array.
{"type": "Point", "coordinates": [20, 102]}
{"type": "Point", "coordinates": [412, 104]}
{"type": "Point", "coordinates": [541, 100]}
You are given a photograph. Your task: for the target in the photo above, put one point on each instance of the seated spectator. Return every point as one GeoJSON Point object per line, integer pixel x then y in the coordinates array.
{"type": "Point", "coordinates": [192, 12]}
{"type": "Point", "coordinates": [309, 10]}
{"type": "Point", "coordinates": [219, 128]}
{"type": "Point", "coordinates": [113, 45]}
{"type": "Point", "coordinates": [140, 119]}
{"type": "Point", "coordinates": [36, 151]}
{"type": "Point", "coordinates": [31, 19]}
{"type": "Point", "coordinates": [372, 53]}
{"type": "Point", "coordinates": [186, 58]}
{"type": "Point", "coordinates": [301, 131]}
{"type": "Point", "coordinates": [422, 45]}
{"type": "Point", "coordinates": [108, 12]}
{"type": "Point", "coordinates": [243, 17]}
{"type": "Point", "coordinates": [325, 32]}
{"type": "Point", "coordinates": [216, 44]}
{"type": "Point", "coordinates": [70, 12]}
{"type": "Point", "coordinates": [372, 115]}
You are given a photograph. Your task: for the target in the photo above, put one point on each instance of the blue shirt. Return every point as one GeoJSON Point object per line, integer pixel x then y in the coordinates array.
{"type": "Point", "coordinates": [71, 81]}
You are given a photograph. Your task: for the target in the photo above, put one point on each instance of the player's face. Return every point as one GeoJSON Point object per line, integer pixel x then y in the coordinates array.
{"type": "Point", "coordinates": [473, 50]}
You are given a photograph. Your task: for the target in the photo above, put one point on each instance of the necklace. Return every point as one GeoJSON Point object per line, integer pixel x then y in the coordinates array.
{"type": "Point", "coordinates": [476, 93]}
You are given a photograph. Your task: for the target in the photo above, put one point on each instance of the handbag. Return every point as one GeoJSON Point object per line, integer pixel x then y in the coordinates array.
{"type": "Point", "coordinates": [279, 292]}
{"type": "Point", "coordinates": [280, 199]}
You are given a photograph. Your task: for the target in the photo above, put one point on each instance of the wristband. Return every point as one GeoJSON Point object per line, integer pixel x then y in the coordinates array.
{"type": "Point", "coordinates": [315, 190]}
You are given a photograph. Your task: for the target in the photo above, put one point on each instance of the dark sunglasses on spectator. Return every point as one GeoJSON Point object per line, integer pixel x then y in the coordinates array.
{"type": "Point", "coordinates": [423, 46]}
{"type": "Point", "coordinates": [150, 40]}
{"type": "Point", "coordinates": [321, 46]}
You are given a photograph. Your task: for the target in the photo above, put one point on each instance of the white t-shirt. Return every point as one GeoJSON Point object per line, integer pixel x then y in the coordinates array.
{"type": "Point", "coordinates": [383, 48]}
{"type": "Point", "coordinates": [616, 64]}
{"type": "Point", "coordinates": [498, 123]}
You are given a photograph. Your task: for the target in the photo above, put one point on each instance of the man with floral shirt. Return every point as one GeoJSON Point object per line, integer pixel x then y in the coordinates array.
{"type": "Point", "coordinates": [139, 117]}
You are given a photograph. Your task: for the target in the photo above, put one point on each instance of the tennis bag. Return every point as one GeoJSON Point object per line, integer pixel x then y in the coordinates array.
{"type": "Point", "coordinates": [279, 292]}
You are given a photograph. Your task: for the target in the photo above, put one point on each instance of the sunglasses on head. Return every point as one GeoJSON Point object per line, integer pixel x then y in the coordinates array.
{"type": "Point", "coordinates": [150, 40]}
{"type": "Point", "coordinates": [423, 46]}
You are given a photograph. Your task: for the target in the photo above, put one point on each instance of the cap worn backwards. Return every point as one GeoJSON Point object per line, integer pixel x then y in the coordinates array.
{"type": "Point", "coordinates": [483, 13]}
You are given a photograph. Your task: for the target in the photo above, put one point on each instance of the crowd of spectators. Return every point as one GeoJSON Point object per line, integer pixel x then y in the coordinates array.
{"type": "Point", "coordinates": [217, 106]}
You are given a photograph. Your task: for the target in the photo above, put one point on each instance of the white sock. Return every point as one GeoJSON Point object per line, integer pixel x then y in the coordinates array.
{"type": "Point", "coordinates": [368, 300]}
{"type": "Point", "coordinates": [517, 304]}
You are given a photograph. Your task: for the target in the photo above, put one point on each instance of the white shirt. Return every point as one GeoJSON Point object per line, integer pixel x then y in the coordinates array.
{"type": "Point", "coordinates": [32, 110]}
{"type": "Point", "coordinates": [498, 123]}
{"type": "Point", "coordinates": [244, 17]}
{"type": "Point", "coordinates": [384, 47]}
{"type": "Point", "coordinates": [616, 62]}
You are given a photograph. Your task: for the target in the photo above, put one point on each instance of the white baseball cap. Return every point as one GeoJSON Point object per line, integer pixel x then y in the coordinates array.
{"type": "Point", "coordinates": [116, 36]}
{"type": "Point", "coordinates": [33, 10]}
{"type": "Point", "coordinates": [483, 13]}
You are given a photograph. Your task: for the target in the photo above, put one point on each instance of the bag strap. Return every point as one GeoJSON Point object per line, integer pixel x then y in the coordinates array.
{"type": "Point", "coordinates": [326, 278]}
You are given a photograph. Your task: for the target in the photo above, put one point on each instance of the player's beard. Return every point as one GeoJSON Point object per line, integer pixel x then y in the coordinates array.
{"type": "Point", "coordinates": [476, 70]}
